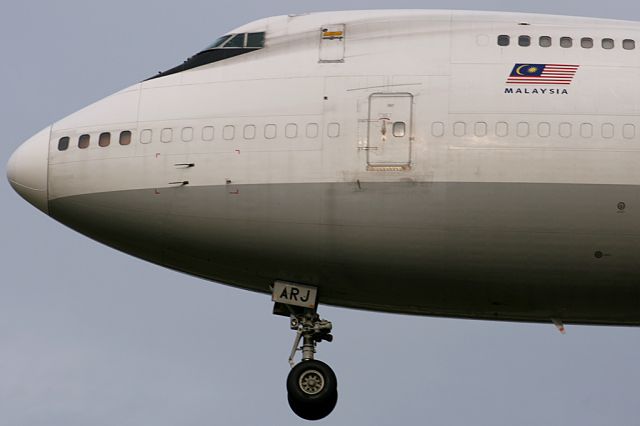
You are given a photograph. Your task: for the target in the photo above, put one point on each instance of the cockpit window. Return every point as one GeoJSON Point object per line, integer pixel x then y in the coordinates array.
{"type": "Point", "coordinates": [255, 40]}
{"type": "Point", "coordinates": [225, 47]}
{"type": "Point", "coordinates": [219, 42]}
{"type": "Point", "coordinates": [236, 41]}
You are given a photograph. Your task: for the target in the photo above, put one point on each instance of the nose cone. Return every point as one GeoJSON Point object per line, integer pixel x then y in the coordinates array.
{"type": "Point", "coordinates": [27, 170]}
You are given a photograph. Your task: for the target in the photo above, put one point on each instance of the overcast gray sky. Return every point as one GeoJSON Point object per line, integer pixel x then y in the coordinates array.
{"type": "Point", "coordinates": [90, 336]}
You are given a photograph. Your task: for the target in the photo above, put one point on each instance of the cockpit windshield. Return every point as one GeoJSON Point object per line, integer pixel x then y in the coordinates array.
{"type": "Point", "coordinates": [219, 42]}
{"type": "Point", "coordinates": [247, 40]}
{"type": "Point", "coordinates": [225, 47]}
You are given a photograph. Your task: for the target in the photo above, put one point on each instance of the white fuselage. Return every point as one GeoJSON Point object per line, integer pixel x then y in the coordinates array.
{"type": "Point", "coordinates": [404, 161]}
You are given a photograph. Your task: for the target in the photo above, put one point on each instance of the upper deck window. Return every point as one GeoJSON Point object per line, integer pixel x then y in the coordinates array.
{"type": "Point", "coordinates": [608, 43]}
{"type": "Point", "coordinates": [586, 42]}
{"type": "Point", "coordinates": [566, 42]}
{"type": "Point", "coordinates": [224, 47]}
{"type": "Point", "coordinates": [545, 41]}
{"type": "Point", "coordinates": [629, 44]}
{"type": "Point", "coordinates": [524, 41]}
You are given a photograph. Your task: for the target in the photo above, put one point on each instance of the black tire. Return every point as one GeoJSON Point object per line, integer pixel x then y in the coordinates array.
{"type": "Point", "coordinates": [312, 389]}
{"type": "Point", "coordinates": [313, 411]}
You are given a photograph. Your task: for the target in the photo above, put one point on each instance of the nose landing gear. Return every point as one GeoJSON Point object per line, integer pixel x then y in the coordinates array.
{"type": "Point", "coordinates": [312, 387]}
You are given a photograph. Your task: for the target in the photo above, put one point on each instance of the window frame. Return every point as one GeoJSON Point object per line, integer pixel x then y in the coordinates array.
{"type": "Point", "coordinates": [605, 44]}
{"type": "Point", "coordinates": [289, 135]}
{"type": "Point", "coordinates": [587, 43]}
{"type": "Point", "coordinates": [123, 137]}
{"type": "Point", "coordinates": [63, 146]}
{"type": "Point", "coordinates": [396, 125]}
{"type": "Point", "coordinates": [102, 139]}
{"type": "Point", "coordinates": [565, 39]}
{"type": "Point", "coordinates": [84, 137]}
{"type": "Point", "coordinates": [502, 38]}
{"type": "Point", "coordinates": [546, 38]}
{"type": "Point", "coordinates": [524, 41]}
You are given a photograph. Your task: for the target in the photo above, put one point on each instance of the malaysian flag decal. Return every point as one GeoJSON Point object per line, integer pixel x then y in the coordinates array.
{"type": "Point", "coordinates": [543, 74]}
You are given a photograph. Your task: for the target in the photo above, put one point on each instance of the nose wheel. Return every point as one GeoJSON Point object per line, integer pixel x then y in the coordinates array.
{"type": "Point", "coordinates": [312, 390]}
{"type": "Point", "coordinates": [312, 387]}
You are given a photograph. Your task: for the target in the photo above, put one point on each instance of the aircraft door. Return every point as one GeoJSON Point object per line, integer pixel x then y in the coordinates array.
{"type": "Point", "coordinates": [390, 129]}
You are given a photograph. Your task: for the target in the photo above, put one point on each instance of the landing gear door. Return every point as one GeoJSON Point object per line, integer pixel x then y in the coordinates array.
{"type": "Point", "coordinates": [332, 38]}
{"type": "Point", "coordinates": [390, 130]}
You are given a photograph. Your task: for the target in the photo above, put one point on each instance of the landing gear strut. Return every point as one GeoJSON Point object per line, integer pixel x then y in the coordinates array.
{"type": "Point", "coordinates": [312, 387]}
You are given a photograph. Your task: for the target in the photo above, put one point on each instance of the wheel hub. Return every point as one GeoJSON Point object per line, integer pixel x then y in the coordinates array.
{"type": "Point", "coordinates": [311, 382]}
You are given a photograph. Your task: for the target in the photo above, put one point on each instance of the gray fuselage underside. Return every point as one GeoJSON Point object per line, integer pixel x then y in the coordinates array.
{"type": "Point", "coordinates": [504, 251]}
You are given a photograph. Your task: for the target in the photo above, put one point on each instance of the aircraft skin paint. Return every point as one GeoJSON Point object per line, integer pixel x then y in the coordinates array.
{"type": "Point", "coordinates": [458, 218]}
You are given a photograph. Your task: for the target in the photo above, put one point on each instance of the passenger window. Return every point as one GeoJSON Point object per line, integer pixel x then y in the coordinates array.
{"type": "Point", "coordinates": [146, 136]}
{"type": "Point", "coordinates": [187, 134]}
{"type": "Point", "coordinates": [125, 137]}
{"type": "Point", "coordinates": [166, 135]}
{"type": "Point", "coordinates": [249, 131]}
{"type": "Point", "coordinates": [544, 130]}
{"type": "Point", "coordinates": [545, 41]}
{"type": "Point", "coordinates": [104, 139]}
{"type": "Point", "coordinates": [312, 130]}
{"type": "Point", "coordinates": [629, 44]}
{"type": "Point", "coordinates": [207, 133]}
{"type": "Point", "coordinates": [399, 129]}
{"type": "Point", "coordinates": [236, 41]}
{"type": "Point", "coordinates": [586, 130]}
{"type": "Point", "coordinates": [629, 131]}
{"type": "Point", "coordinates": [482, 40]}
{"type": "Point", "coordinates": [607, 130]}
{"type": "Point", "coordinates": [63, 143]}
{"type": "Point", "coordinates": [608, 43]}
{"type": "Point", "coordinates": [291, 130]}
{"type": "Point", "coordinates": [480, 129]}
{"type": "Point", "coordinates": [437, 129]}
{"type": "Point", "coordinates": [504, 40]}
{"type": "Point", "coordinates": [460, 129]}
{"type": "Point", "coordinates": [502, 129]}
{"type": "Point", "coordinates": [566, 130]}
{"type": "Point", "coordinates": [83, 141]}
{"type": "Point", "coordinates": [255, 40]}
{"type": "Point", "coordinates": [270, 131]}
{"type": "Point", "coordinates": [524, 41]}
{"type": "Point", "coordinates": [586, 43]}
{"type": "Point", "coordinates": [333, 130]}
{"type": "Point", "coordinates": [566, 42]}
{"type": "Point", "coordinates": [229, 132]}
{"type": "Point", "coordinates": [523, 129]}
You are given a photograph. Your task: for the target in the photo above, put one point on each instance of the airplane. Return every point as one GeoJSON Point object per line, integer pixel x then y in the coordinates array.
{"type": "Point", "coordinates": [477, 165]}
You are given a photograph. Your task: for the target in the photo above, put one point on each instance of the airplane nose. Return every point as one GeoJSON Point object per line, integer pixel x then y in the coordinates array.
{"type": "Point", "coordinates": [27, 170]}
